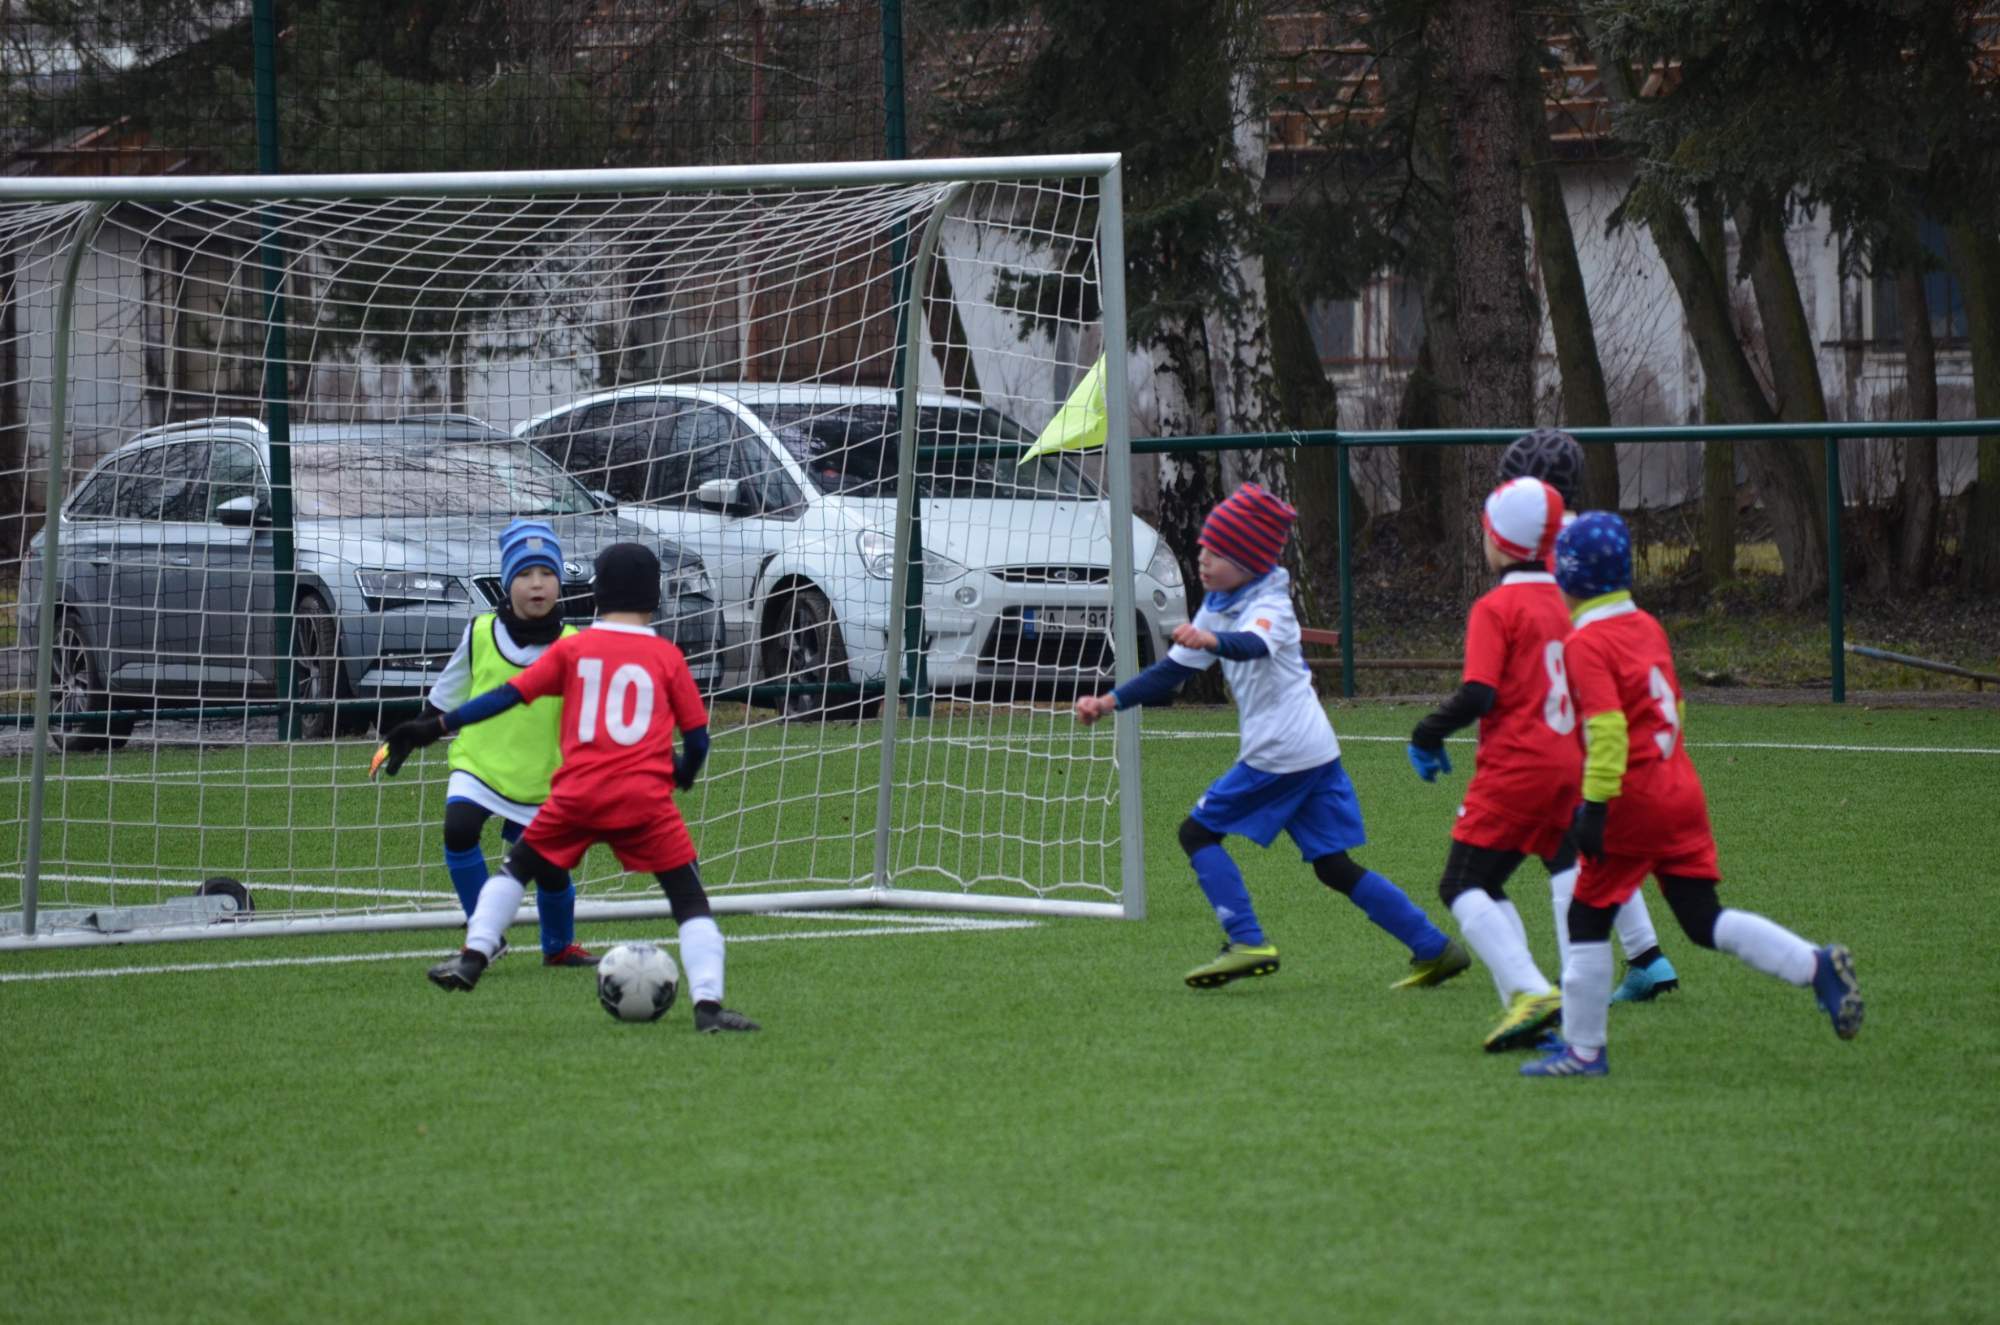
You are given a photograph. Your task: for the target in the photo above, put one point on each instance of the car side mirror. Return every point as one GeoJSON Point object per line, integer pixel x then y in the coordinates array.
{"type": "Point", "coordinates": [242, 512]}
{"type": "Point", "coordinates": [732, 496]}
{"type": "Point", "coordinates": [605, 501]}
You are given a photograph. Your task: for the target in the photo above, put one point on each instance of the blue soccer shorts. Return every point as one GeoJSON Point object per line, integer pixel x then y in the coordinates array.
{"type": "Point", "coordinates": [1316, 806]}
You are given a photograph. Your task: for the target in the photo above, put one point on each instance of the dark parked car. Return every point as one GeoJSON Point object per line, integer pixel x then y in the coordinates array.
{"type": "Point", "coordinates": [168, 577]}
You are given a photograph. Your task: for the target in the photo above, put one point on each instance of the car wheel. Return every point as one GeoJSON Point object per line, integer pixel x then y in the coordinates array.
{"type": "Point", "coordinates": [315, 666]}
{"type": "Point", "coordinates": [78, 687]}
{"type": "Point", "coordinates": [802, 646]}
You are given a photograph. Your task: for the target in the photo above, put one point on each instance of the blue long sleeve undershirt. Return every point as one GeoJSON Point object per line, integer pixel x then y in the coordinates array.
{"type": "Point", "coordinates": [694, 753]}
{"type": "Point", "coordinates": [1155, 685]}
{"type": "Point", "coordinates": [1240, 645]}
{"type": "Point", "coordinates": [481, 707]}
{"type": "Point", "coordinates": [694, 740]}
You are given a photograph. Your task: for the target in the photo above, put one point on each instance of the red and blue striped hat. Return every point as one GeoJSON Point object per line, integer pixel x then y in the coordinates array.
{"type": "Point", "coordinates": [1249, 527]}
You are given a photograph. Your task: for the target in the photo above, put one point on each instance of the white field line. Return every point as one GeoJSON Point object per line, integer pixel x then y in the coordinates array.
{"type": "Point", "coordinates": [1692, 745]}
{"type": "Point", "coordinates": [281, 777]}
{"type": "Point", "coordinates": [906, 925]}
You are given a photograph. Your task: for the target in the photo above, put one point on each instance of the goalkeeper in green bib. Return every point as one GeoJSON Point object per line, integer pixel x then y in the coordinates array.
{"type": "Point", "coordinates": [502, 767]}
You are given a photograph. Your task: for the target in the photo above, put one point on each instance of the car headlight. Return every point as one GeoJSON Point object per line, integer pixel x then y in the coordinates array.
{"type": "Point", "coordinates": [685, 581]}
{"type": "Point", "coordinates": [411, 586]}
{"type": "Point", "coordinates": [878, 558]}
{"type": "Point", "coordinates": [1165, 566]}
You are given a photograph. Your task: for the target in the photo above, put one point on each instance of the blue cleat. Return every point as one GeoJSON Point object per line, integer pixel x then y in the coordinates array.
{"type": "Point", "coordinates": [1643, 984]}
{"type": "Point", "coordinates": [1834, 986]}
{"type": "Point", "coordinates": [1565, 1062]}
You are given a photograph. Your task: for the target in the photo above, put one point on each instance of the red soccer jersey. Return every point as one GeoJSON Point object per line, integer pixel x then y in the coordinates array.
{"type": "Point", "coordinates": [624, 692]}
{"type": "Point", "coordinates": [1527, 740]}
{"type": "Point", "coordinates": [1619, 660]}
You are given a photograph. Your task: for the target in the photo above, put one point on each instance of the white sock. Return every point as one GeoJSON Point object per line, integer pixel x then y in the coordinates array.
{"type": "Point", "coordinates": [1766, 945]}
{"type": "Point", "coordinates": [701, 954]}
{"type": "Point", "coordinates": [1486, 928]}
{"type": "Point", "coordinates": [1513, 914]}
{"type": "Point", "coordinates": [1635, 926]}
{"type": "Point", "coordinates": [1562, 887]}
{"type": "Point", "coordinates": [1587, 996]}
{"type": "Point", "coordinates": [499, 903]}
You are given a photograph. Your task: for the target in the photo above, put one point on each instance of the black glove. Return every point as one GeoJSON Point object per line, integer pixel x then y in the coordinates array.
{"type": "Point", "coordinates": [406, 737]}
{"type": "Point", "coordinates": [683, 774]}
{"type": "Point", "coordinates": [1587, 828]}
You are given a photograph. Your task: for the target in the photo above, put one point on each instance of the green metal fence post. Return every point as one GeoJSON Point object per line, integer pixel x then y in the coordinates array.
{"type": "Point", "coordinates": [1836, 625]}
{"type": "Point", "coordinates": [277, 390]}
{"type": "Point", "coordinates": [1343, 485]}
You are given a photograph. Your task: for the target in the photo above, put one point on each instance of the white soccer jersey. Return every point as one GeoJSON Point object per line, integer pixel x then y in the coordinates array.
{"type": "Point", "coordinates": [1284, 725]}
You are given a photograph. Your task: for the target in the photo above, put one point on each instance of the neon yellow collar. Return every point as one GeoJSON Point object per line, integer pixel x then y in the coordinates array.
{"type": "Point", "coordinates": [1602, 600]}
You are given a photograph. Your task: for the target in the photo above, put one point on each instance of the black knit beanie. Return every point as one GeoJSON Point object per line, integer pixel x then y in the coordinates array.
{"type": "Point", "coordinates": [628, 579]}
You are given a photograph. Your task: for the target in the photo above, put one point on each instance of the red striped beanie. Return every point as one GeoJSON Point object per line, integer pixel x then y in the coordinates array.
{"type": "Point", "coordinates": [1524, 515]}
{"type": "Point", "coordinates": [1249, 527]}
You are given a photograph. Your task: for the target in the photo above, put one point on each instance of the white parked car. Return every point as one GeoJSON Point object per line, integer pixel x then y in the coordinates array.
{"type": "Point", "coordinates": [787, 493]}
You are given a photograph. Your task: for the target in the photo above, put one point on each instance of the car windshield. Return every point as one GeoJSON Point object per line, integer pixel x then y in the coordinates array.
{"type": "Point", "coordinates": [431, 476]}
{"type": "Point", "coordinates": [851, 449]}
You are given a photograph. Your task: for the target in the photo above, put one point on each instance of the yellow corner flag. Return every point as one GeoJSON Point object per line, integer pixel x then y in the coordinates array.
{"type": "Point", "coordinates": [1081, 422]}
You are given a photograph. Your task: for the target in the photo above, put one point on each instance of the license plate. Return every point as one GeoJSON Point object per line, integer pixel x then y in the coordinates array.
{"type": "Point", "coordinates": [1035, 620]}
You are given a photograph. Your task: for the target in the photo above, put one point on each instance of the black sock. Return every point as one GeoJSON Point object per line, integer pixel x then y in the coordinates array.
{"type": "Point", "coordinates": [1648, 957]}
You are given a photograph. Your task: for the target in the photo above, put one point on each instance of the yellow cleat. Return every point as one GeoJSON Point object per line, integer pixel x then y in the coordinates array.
{"type": "Point", "coordinates": [1235, 961]}
{"type": "Point", "coordinates": [1438, 969]}
{"type": "Point", "coordinates": [1528, 1016]}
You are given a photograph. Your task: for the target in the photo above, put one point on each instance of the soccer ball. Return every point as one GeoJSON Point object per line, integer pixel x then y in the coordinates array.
{"type": "Point", "coordinates": [637, 982]}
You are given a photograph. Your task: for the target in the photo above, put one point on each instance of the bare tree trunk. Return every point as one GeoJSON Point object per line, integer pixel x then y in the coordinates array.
{"type": "Point", "coordinates": [1797, 522]}
{"type": "Point", "coordinates": [1978, 253]}
{"type": "Point", "coordinates": [1718, 459]}
{"type": "Point", "coordinates": [950, 345]}
{"type": "Point", "coordinates": [1495, 309]}
{"type": "Point", "coordinates": [1790, 476]}
{"type": "Point", "coordinates": [1586, 402]}
{"type": "Point", "coordinates": [1420, 467]}
{"type": "Point", "coordinates": [1238, 327]}
{"type": "Point", "coordinates": [1917, 485]}
{"type": "Point", "coordinates": [1307, 400]}
{"type": "Point", "coordinates": [1190, 483]}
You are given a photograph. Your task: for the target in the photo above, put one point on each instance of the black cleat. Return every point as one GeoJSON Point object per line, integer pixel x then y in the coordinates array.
{"type": "Point", "coordinates": [461, 972]}
{"type": "Point", "coordinates": [709, 1018]}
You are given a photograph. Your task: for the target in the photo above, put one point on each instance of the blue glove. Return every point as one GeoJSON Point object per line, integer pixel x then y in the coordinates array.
{"type": "Point", "coordinates": [1429, 763]}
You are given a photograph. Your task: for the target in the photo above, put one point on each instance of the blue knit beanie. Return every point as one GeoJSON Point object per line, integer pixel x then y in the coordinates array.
{"type": "Point", "coordinates": [1594, 555]}
{"type": "Point", "coordinates": [526, 543]}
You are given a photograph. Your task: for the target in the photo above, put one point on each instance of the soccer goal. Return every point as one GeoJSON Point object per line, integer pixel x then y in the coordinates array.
{"type": "Point", "coordinates": [259, 437]}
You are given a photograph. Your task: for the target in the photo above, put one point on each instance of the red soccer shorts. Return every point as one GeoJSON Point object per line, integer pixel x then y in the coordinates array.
{"type": "Point", "coordinates": [1481, 825]}
{"type": "Point", "coordinates": [649, 841]}
{"type": "Point", "coordinates": [1611, 879]}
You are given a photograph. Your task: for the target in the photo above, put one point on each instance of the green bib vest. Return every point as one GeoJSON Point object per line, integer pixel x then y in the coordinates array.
{"type": "Point", "coordinates": [517, 752]}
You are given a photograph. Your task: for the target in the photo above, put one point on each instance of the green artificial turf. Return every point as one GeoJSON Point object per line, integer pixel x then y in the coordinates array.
{"type": "Point", "coordinates": [1042, 1123]}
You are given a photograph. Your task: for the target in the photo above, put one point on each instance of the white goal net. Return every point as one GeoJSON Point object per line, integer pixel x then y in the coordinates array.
{"type": "Point", "coordinates": [259, 439]}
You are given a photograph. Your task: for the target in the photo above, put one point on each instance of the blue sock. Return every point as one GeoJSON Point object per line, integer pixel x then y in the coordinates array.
{"type": "Point", "coordinates": [558, 918]}
{"type": "Point", "coordinates": [1222, 883]}
{"type": "Point", "coordinates": [468, 875]}
{"type": "Point", "coordinates": [1388, 907]}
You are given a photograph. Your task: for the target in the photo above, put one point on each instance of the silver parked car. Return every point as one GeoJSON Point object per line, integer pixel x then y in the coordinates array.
{"type": "Point", "coordinates": [168, 577]}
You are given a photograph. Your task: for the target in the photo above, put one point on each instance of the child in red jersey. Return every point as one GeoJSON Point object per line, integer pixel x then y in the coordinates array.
{"type": "Point", "coordinates": [1643, 810]}
{"type": "Point", "coordinates": [1525, 786]}
{"type": "Point", "coordinates": [624, 691]}
{"type": "Point", "coordinates": [1556, 458]}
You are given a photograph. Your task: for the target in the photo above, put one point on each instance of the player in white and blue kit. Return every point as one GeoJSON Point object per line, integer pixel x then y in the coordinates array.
{"type": "Point", "coordinates": [1288, 775]}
